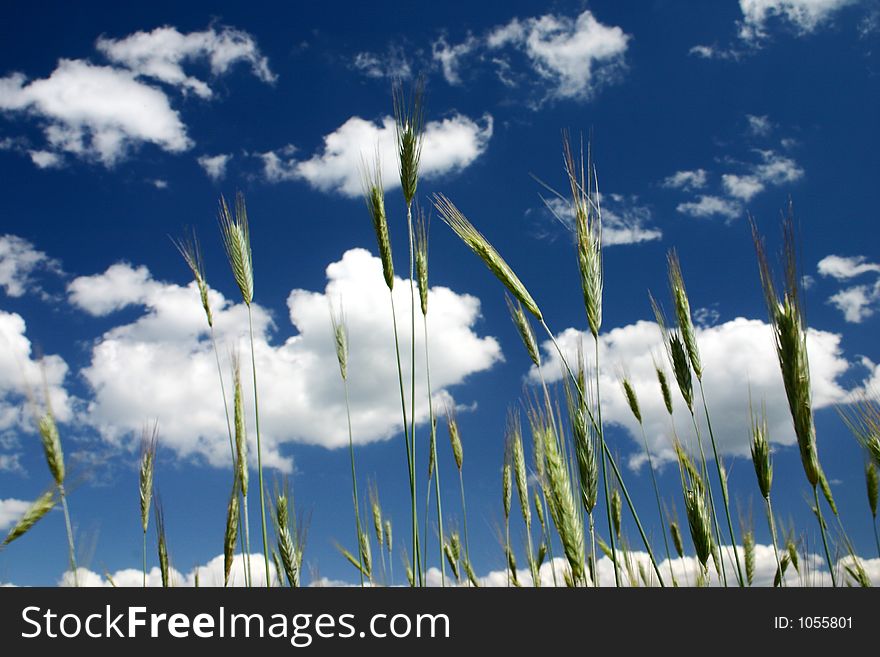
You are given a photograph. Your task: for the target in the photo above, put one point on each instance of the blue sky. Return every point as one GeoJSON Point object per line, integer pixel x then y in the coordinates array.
{"type": "Point", "coordinates": [120, 126]}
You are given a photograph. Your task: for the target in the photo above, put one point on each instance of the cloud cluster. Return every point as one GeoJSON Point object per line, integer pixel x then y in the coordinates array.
{"type": "Point", "coordinates": [215, 165]}
{"type": "Point", "coordinates": [856, 302]}
{"type": "Point", "coordinates": [739, 361]}
{"type": "Point", "coordinates": [10, 511]}
{"type": "Point", "coordinates": [101, 113]}
{"type": "Point", "coordinates": [805, 16]}
{"type": "Point", "coordinates": [624, 220]}
{"type": "Point", "coordinates": [450, 145]}
{"type": "Point", "coordinates": [567, 58]}
{"type": "Point", "coordinates": [161, 365]}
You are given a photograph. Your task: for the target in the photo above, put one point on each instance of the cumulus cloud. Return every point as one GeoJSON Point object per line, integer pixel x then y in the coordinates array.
{"type": "Point", "coordinates": [857, 302]}
{"type": "Point", "coordinates": [772, 169]}
{"type": "Point", "coordinates": [102, 113]}
{"type": "Point", "coordinates": [19, 262]}
{"type": "Point", "coordinates": [160, 55]}
{"type": "Point", "coordinates": [161, 365]}
{"type": "Point", "coordinates": [710, 206]}
{"type": "Point", "coordinates": [10, 511]}
{"type": "Point", "coordinates": [215, 165]}
{"type": "Point", "coordinates": [686, 180]}
{"type": "Point", "coordinates": [95, 112]}
{"type": "Point", "coordinates": [738, 357]}
{"type": "Point", "coordinates": [804, 16]}
{"type": "Point", "coordinates": [450, 145]}
{"type": "Point", "coordinates": [21, 375]}
{"type": "Point", "coordinates": [571, 57]}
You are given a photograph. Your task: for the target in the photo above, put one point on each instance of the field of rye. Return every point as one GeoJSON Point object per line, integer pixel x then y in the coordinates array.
{"type": "Point", "coordinates": [570, 491]}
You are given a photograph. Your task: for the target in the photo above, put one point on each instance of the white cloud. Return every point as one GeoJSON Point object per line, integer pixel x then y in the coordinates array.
{"type": "Point", "coordinates": [393, 64]}
{"type": "Point", "coordinates": [160, 55]}
{"type": "Point", "coordinates": [158, 183]}
{"type": "Point", "coordinates": [450, 145]}
{"type": "Point", "coordinates": [624, 221]}
{"type": "Point", "coordinates": [574, 55]}
{"type": "Point", "coordinates": [450, 56]}
{"type": "Point", "coordinates": [21, 375]}
{"type": "Point", "coordinates": [215, 165]}
{"type": "Point", "coordinates": [773, 169]}
{"type": "Point", "coordinates": [19, 261]}
{"type": "Point", "coordinates": [10, 511]}
{"type": "Point", "coordinates": [95, 112]}
{"type": "Point", "coordinates": [709, 206]}
{"type": "Point", "coordinates": [301, 397]}
{"type": "Point", "coordinates": [857, 302]}
{"type": "Point", "coordinates": [804, 15]}
{"type": "Point", "coordinates": [844, 267]}
{"type": "Point", "coordinates": [738, 357]}
{"type": "Point", "coordinates": [686, 180]}
{"type": "Point", "coordinates": [45, 159]}
{"type": "Point", "coordinates": [210, 574]}
{"type": "Point", "coordinates": [759, 126]}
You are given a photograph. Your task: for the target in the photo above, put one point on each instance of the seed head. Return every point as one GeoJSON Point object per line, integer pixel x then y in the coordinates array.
{"type": "Point", "coordinates": [237, 242]}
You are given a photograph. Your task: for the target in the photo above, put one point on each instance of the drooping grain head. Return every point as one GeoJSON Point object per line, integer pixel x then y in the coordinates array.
{"type": "Point", "coordinates": [40, 507]}
{"type": "Point", "coordinates": [524, 328]}
{"type": "Point", "coordinates": [631, 399]}
{"type": "Point", "coordinates": [664, 389]}
{"type": "Point", "coordinates": [149, 443]}
{"type": "Point", "coordinates": [162, 543]}
{"type": "Point", "coordinates": [454, 438]}
{"type": "Point", "coordinates": [421, 254]}
{"type": "Point", "coordinates": [366, 555]}
{"type": "Point", "coordinates": [231, 534]}
{"type": "Point", "coordinates": [340, 339]}
{"type": "Point", "coordinates": [237, 242]}
{"type": "Point", "coordinates": [409, 121]}
{"type": "Point", "coordinates": [469, 571]}
{"type": "Point", "coordinates": [872, 484]}
{"type": "Point", "coordinates": [678, 357]}
{"type": "Point", "coordinates": [241, 443]}
{"type": "Point", "coordinates": [376, 510]}
{"type": "Point", "coordinates": [486, 252]}
{"type": "Point", "coordinates": [518, 459]}
{"type": "Point", "coordinates": [374, 195]}
{"type": "Point", "coordinates": [588, 233]}
{"type": "Point", "coordinates": [760, 449]}
{"type": "Point", "coordinates": [51, 442]}
{"type": "Point", "coordinates": [792, 549]}
{"type": "Point", "coordinates": [825, 487]}
{"type": "Point", "coordinates": [584, 448]}
{"type": "Point", "coordinates": [683, 313]}
{"type": "Point", "coordinates": [192, 255]}
{"type": "Point", "coordinates": [790, 336]}
{"type": "Point", "coordinates": [699, 523]}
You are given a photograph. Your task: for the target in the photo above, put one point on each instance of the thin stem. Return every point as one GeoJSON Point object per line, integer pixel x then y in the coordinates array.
{"type": "Point", "coordinates": [259, 451]}
{"type": "Point", "coordinates": [467, 551]}
{"type": "Point", "coordinates": [605, 467]}
{"type": "Point", "coordinates": [436, 463]}
{"type": "Point", "coordinates": [739, 573]}
{"type": "Point", "coordinates": [549, 540]}
{"type": "Point", "coordinates": [354, 489]}
{"type": "Point", "coordinates": [593, 550]}
{"type": "Point", "coordinates": [876, 534]}
{"type": "Point", "coordinates": [507, 546]}
{"type": "Point", "coordinates": [145, 559]}
{"type": "Point", "coordinates": [824, 536]}
{"type": "Point", "coordinates": [772, 523]}
{"type": "Point", "coordinates": [705, 468]}
{"type": "Point", "coordinates": [69, 535]}
{"type": "Point", "coordinates": [657, 495]}
{"type": "Point", "coordinates": [417, 559]}
{"type": "Point", "coordinates": [249, 578]}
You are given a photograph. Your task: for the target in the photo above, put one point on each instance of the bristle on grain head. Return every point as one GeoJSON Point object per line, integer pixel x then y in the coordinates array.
{"type": "Point", "coordinates": [192, 254]}
{"type": "Point", "coordinates": [676, 351]}
{"type": "Point", "coordinates": [632, 401]}
{"type": "Point", "coordinates": [241, 443]}
{"type": "Point", "coordinates": [507, 478]}
{"type": "Point", "coordinates": [760, 449]}
{"type": "Point", "coordinates": [486, 252]}
{"type": "Point", "coordinates": [683, 313]}
{"type": "Point", "coordinates": [409, 121]}
{"type": "Point", "coordinates": [149, 444]}
{"type": "Point", "coordinates": [237, 242]}
{"type": "Point", "coordinates": [374, 195]}
{"type": "Point", "coordinates": [421, 255]}
{"type": "Point", "coordinates": [664, 388]}
{"type": "Point", "coordinates": [524, 328]}
{"type": "Point", "coordinates": [454, 437]}
{"type": "Point", "coordinates": [518, 460]}
{"type": "Point", "coordinates": [699, 522]}
{"type": "Point", "coordinates": [340, 339]}
{"type": "Point", "coordinates": [51, 441]}
{"type": "Point", "coordinates": [231, 533]}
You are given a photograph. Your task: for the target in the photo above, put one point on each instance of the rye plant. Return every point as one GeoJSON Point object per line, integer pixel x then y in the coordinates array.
{"type": "Point", "coordinates": [149, 442]}
{"type": "Point", "coordinates": [237, 242]}
{"type": "Point", "coordinates": [760, 450]}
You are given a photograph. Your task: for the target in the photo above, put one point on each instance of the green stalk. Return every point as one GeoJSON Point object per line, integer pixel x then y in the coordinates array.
{"type": "Point", "coordinates": [417, 563]}
{"type": "Point", "coordinates": [593, 550]}
{"type": "Point", "coordinates": [659, 504]}
{"type": "Point", "coordinates": [772, 523]}
{"type": "Point", "coordinates": [259, 450]}
{"type": "Point", "coordinates": [69, 534]}
{"type": "Point", "coordinates": [249, 578]}
{"type": "Point", "coordinates": [601, 435]}
{"type": "Point", "coordinates": [354, 490]}
{"type": "Point", "coordinates": [145, 559]}
{"type": "Point", "coordinates": [824, 536]}
{"type": "Point", "coordinates": [548, 538]}
{"type": "Point", "coordinates": [876, 534]}
{"type": "Point", "coordinates": [716, 526]}
{"type": "Point", "coordinates": [436, 463]}
{"type": "Point", "coordinates": [467, 551]}
{"type": "Point", "coordinates": [724, 496]}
